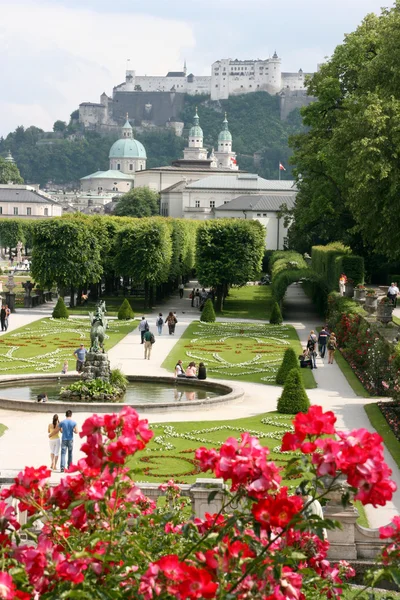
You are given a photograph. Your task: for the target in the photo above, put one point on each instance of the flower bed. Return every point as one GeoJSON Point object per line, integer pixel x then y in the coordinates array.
{"type": "Point", "coordinates": [391, 412]}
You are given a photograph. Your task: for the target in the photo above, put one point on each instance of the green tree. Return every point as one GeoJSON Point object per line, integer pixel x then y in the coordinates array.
{"type": "Point", "coordinates": [208, 314]}
{"type": "Point", "coordinates": [289, 362]}
{"type": "Point", "coordinates": [294, 398]}
{"type": "Point", "coordinates": [65, 252]}
{"type": "Point", "coordinates": [9, 172]}
{"type": "Point", "coordinates": [229, 251]}
{"type": "Point", "coordinates": [125, 311]}
{"type": "Point", "coordinates": [60, 311]}
{"type": "Point", "coordinates": [139, 202]}
{"type": "Point", "coordinates": [276, 315]}
{"type": "Point", "coordinates": [144, 251]}
{"type": "Point", "coordinates": [347, 162]}
{"type": "Point", "coordinates": [11, 232]}
{"type": "Point", "coordinates": [60, 126]}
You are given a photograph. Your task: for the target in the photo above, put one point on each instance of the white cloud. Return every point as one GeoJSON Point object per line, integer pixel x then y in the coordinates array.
{"type": "Point", "coordinates": [54, 57]}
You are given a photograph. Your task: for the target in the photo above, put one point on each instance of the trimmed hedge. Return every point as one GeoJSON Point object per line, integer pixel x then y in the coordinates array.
{"type": "Point", "coordinates": [289, 362]}
{"type": "Point", "coordinates": [282, 260]}
{"type": "Point", "coordinates": [334, 259]}
{"type": "Point", "coordinates": [285, 278]}
{"type": "Point", "coordinates": [125, 311]}
{"type": "Point", "coordinates": [293, 398]}
{"type": "Point", "coordinates": [208, 313]}
{"type": "Point", "coordinates": [352, 266]}
{"type": "Point", "coordinates": [276, 315]}
{"type": "Point", "coordinates": [60, 311]}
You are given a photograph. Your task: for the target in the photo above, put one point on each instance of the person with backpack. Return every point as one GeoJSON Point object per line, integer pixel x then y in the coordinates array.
{"type": "Point", "coordinates": [159, 323]}
{"type": "Point", "coordinates": [311, 345]}
{"type": "Point", "coordinates": [332, 345]}
{"type": "Point", "coordinates": [143, 327]}
{"type": "Point", "coordinates": [149, 340]}
{"type": "Point", "coordinates": [171, 321]}
{"type": "Point", "coordinates": [322, 342]}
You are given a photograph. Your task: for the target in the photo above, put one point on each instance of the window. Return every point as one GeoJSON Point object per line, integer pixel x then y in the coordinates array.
{"type": "Point", "coordinates": [258, 214]}
{"type": "Point", "coordinates": [226, 201]}
{"type": "Point", "coordinates": [212, 203]}
{"type": "Point", "coordinates": [216, 85]}
{"type": "Point", "coordinates": [264, 214]}
{"type": "Point", "coordinates": [118, 167]}
{"type": "Point", "coordinates": [29, 211]}
{"type": "Point", "coordinates": [197, 203]}
{"type": "Point", "coordinates": [131, 167]}
{"type": "Point", "coordinates": [15, 210]}
{"type": "Point", "coordinates": [46, 212]}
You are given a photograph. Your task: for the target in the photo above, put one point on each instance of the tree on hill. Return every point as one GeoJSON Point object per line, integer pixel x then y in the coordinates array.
{"type": "Point", "coordinates": [9, 172]}
{"type": "Point", "coordinates": [60, 126]}
{"type": "Point", "coordinates": [347, 162]}
{"type": "Point", "coordinates": [139, 202]}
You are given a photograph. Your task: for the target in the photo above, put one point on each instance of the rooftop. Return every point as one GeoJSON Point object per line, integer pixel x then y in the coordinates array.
{"type": "Point", "coordinates": [176, 74]}
{"type": "Point", "coordinates": [24, 193]}
{"type": "Point", "coordinates": [191, 169]}
{"type": "Point", "coordinates": [271, 202]}
{"type": "Point", "coordinates": [243, 181]}
{"type": "Point", "coordinates": [110, 174]}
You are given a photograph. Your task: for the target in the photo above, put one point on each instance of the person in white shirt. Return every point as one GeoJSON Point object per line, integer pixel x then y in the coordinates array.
{"type": "Point", "coordinates": [143, 327]}
{"type": "Point", "coordinates": [392, 292]}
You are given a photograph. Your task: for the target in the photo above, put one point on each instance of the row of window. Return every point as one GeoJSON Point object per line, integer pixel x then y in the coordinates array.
{"type": "Point", "coordinates": [28, 211]}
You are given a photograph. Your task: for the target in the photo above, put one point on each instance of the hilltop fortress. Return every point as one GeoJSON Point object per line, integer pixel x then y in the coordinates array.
{"type": "Point", "coordinates": [158, 101]}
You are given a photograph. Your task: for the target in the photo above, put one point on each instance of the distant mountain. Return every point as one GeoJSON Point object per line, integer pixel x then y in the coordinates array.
{"type": "Point", "coordinates": [260, 139]}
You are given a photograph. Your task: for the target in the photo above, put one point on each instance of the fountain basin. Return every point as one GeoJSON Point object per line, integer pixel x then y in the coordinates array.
{"type": "Point", "coordinates": [159, 393]}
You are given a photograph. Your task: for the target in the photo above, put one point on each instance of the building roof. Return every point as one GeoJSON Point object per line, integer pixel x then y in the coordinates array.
{"type": "Point", "coordinates": [127, 148]}
{"type": "Point", "coordinates": [243, 181]}
{"type": "Point", "coordinates": [110, 174]}
{"type": "Point", "coordinates": [192, 169]}
{"type": "Point", "coordinates": [176, 74]}
{"type": "Point", "coordinates": [271, 202]}
{"type": "Point", "coordinates": [10, 193]}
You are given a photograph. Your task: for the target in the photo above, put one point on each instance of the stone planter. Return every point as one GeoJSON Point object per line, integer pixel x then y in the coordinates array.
{"type": "Point", "coordinates": [349, 290]}
{"type": "Point", "coordinates": [359, 295]}
{"type": "Point", "coordinates": [384, 312]}
{"type": "Point", "coordinates": [371, 304]}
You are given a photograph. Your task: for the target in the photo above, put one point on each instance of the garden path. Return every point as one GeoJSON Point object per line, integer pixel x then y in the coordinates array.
{"type": "Point", "coordinates": [26, 440]}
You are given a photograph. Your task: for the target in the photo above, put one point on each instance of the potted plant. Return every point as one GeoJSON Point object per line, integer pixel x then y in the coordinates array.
{"type": "Point", "coordinates": [385, 310]}
{"type": "Point", "coordinates": [359, 292]}
{"type": "Point", "coordinates": [371, 300]}
{"type": "Point", "coordinates": [349, 288]}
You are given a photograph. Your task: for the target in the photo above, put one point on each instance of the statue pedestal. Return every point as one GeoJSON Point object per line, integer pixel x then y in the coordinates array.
{"type": "Point", "coordinates": [97, 366]}
{"type": "Point", "coordinates": [10, 301]}
{"type": "Point", "coordinates": [27, 302]}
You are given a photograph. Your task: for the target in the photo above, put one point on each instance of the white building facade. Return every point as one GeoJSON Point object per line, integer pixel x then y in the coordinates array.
{"type": "Point", "coordinates": [28, 202]}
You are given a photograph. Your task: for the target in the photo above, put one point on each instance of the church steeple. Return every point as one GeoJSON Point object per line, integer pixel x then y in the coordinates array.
{"type": "Point", "coordinates": [127, 131]}
{"type": "Point", "coordinates": [195, 150]}
{"type": "Point", "coordinates": [226, 158]}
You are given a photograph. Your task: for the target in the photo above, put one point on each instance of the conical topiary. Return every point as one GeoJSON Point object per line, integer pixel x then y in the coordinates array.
{"type": "Point", "coordinates": [125, 311]}
{"type": "Point", "coordinates": [276, 315]}
{"type": "Point", "coordinates": [290, 361]}
{"type": "Point", "coordinates": [293, 398]}
{"type": "Point", "coordinates": [60, 310]}
{"type": "Point", "coordinates": [208, 314]}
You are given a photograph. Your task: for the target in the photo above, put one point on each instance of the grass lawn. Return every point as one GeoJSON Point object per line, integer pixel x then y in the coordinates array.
{"type": "Point", "coordinates": [351, 377]}
{"type": "Point", "coordinates": [244, 351]}
{"type": "Point", "coordinates": [379, 422]}
{"type": "Point", "coordinates": [113, 303]}
{"type": "Point", "coordinates": [43, 346]}
{"type": "Point", "coordinates": [248, 302]}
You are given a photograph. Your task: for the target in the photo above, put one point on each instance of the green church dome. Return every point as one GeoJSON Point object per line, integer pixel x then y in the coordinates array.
{"type": "Point", "coordinates": [225, 135]}
{"type": "Point", "coordinates": [127, 148]}
{"type": "Point", "coordinates": [196, 130]}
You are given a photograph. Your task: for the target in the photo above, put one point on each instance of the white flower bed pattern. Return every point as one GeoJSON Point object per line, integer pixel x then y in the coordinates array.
{"type": "Point", "coordinates": [262, 334]}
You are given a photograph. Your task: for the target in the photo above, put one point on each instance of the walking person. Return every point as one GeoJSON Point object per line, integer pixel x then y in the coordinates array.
{"type": "Point", "coordinates": [197, 298]}
{"type": "Point", "coordinates": [322, 341]}
{"type": "Point", "coordinates": [192, 295]}
{"type": "Point", "coordinates": [311, 346]}
{"type": "Point", "coordinates": [6, 322]}
{"type": "Point", "coordinates": [332, 345]}
{"type": "Point", "coordinates": [80, 354]}
{"type": "Point", "coordinates": [67, 427]}
{"type": "Point", "coordinates": [391, 294]}
{"type": "Point", "coordinates": [143, 327]}
{"type": "Point", "coordinates": [181, 289]}
{"type": "Point", "coordinates": [54, 441]}
{"type": "Point", "coordinates": [3, 317]}
{"type": "Point", "coordinates": [160, 323]}
{"type": "Point", "coordinates": [148, 343]}
{"type": "Point", "coordinates": [171, 321]}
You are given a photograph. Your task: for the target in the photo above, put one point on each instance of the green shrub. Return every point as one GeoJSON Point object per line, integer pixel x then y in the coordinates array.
{"type": "Point", "coordinates": [276, 315]}
{"type": "Point", "coordinates": [352, 266]}
{"type": "Point", "coordinates": [393, 277]}
{"type": "Point", "coordinates": [339, 306]}
{"type": "Point", "coordinates": [283, 279]}
{"type": "Point", "coordinates": [208, 314]}
{"type": "Point", "coordinates": [125, 311]}
{"type": "Point", "coordinates": [60, 310]}
{"type": "Point", "coordinates": [293, 398]}
{"type": "Point", "coordinates": [93, 390]}
{"type": "Point", "coordinates": [289, 362]}
{"type": "Point", "coordinates": [118, 379]}
{"type": "Point", "coordinates": [283, 260]}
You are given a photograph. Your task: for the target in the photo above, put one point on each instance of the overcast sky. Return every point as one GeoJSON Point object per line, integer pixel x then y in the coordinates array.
{"type": "Point", "coordinates": [55, 54]}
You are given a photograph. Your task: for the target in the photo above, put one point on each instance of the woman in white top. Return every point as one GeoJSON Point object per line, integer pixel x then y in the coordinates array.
{"type": "Point", "coordinates": [179, 369]}
{"type": "Point", "coordinates": [54, 441]}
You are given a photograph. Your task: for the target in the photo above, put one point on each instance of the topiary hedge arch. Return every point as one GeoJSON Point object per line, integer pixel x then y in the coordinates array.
{"type": "Point", "coordinates": [314, 286]}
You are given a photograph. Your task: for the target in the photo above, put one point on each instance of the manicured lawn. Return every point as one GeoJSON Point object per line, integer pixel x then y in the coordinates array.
{"type": "Point", "coordinates": [379, 422]}
{"type": "Point", "coordinates": [242, 351]}
{"type": "Point", "coordinates": [248, 302]}
{"type": "Point", "coordinates": [113, 305]}
{"type": "Point", "coordinates": [351, 377]}
{"type": "Point", "coordinates": [43, 346]}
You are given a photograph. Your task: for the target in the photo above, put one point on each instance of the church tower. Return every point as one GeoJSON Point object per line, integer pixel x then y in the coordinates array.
{"type": "Point", "coordinates": [195, 150]}
{"type": "Point", "coordinates": [225, 157]}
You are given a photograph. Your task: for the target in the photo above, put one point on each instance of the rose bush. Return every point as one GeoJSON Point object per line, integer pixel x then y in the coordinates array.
{"type": "Point", "coordinates": [101, 538]}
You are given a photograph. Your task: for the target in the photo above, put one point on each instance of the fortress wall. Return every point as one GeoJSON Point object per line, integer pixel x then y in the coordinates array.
{"type": "Point", "coordinates": [165, 106]}
{"type": "Point", "coordinates": [164, 84]}
{"type": "Point", "coordinates": [290, 100]}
